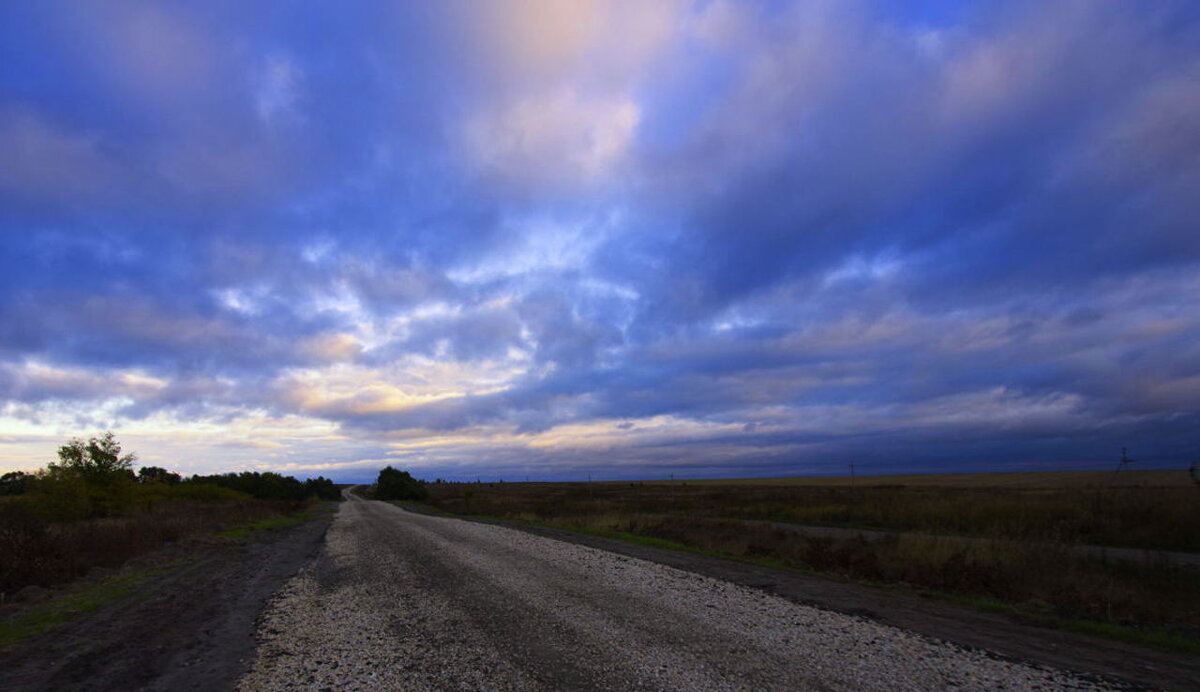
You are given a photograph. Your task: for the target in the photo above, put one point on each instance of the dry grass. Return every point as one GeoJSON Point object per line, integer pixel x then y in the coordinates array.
{"type": "Point", "coordinates": [1021, 479]}
{"type": "Point", "coordinates": [45, 553]}
{"type": "Point", "coordinates": [1135, 516]}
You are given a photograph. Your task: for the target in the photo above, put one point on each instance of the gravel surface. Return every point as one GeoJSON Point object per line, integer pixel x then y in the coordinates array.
{"type": "Point", "coordinates": [410, 602]}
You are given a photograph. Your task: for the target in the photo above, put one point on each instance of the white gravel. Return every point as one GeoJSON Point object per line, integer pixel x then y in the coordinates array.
{"type": "Point", "coordinates": [401, 601]}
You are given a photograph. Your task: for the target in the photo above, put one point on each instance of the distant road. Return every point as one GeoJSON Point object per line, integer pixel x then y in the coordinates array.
{"type": "Point", "coordinates": [405, 601]}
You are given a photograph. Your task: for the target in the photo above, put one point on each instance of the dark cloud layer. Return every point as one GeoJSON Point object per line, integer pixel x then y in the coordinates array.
{"type": "Point", "coordinates": [751, 239]}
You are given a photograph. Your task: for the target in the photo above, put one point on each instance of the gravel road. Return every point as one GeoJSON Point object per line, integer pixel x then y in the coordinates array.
{"type": "Point", "coordinates": [404, 601]}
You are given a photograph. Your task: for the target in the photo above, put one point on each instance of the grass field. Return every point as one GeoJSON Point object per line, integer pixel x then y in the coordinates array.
{"type": "Point", "coordinates": [1040, 479]}
{"type": "Point", "coordinates": [1022, 528]}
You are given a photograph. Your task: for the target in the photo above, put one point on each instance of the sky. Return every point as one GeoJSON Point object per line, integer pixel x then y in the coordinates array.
{"type": "Point", "coordinates": [555, 239]}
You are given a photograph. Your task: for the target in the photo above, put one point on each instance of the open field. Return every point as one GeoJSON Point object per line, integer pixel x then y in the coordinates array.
{"type": "Point", "coordinates": [1153, 510]}
{"type": "Point", "coordinates": [1021, 479]}
{"type": "Point", "coordinates": [1023, 528]}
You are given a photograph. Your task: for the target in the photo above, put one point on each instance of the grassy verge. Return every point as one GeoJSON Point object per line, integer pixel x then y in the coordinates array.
{"type": "Point", "coordinates": [1163, 641]}
{"type": "Point", "coordinates": [423, 508]}
{"type": "Point", "coordinates": [633, 538]}
{"type": "Point", "coordinates": [242, 532]}
{"type": "Point", "coordinates": [45, 616]}
{"type": "Point", "coordinates": [1172, 642]}
{"type": "Point", "coordinates": [42, 617]}
{"type": "Point", "coordinates": [37, 551]}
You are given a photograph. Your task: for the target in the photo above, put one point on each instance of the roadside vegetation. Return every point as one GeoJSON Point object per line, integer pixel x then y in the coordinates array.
{"type": "Point", "coordinates": [50, 614]}
{"type": "Point", "coordinates": [396, 486]}
{"type": "Point", "coordinates": [1005, 547]}
{"type": "Point", "coordinates": [91, 509]}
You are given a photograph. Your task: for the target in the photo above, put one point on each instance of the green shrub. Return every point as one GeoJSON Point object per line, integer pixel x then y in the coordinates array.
{"type": "Point", "coordinates": [399, 485]}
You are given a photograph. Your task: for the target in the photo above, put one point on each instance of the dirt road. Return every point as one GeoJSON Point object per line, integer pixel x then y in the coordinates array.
{"type": "Point", "coordinates": [190, 627]}
{"type": "Point", "coordinates": [404, 601]}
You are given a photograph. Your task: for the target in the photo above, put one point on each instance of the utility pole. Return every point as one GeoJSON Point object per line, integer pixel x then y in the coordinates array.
{"type": "Point", "coordinates": [853, 493]}
{"type": "Point", "coordinates": [1124, 463]}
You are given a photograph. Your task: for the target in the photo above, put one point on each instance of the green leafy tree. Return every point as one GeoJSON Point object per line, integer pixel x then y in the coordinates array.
{"type": "Point", "coordinates": [97, 460]}
{"type": "Point", "coordinates": [398, 485]}
{"type": "Point", "coordinates": [91, 478]}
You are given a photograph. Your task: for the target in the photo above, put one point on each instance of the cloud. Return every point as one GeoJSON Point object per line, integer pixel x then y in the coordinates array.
{"type": "Point", "coordinates": [550, 42]}
{"type": "Point", "coordinates": [561, 103]}
{"type": "Point", "coordinates": [551, 139]}
{"type": "Point", "coordinates": [277, 90]}
{"type": "Point", "coordinates": [34, 382]}
{"type": "Point", "coordinates": [332, 348]}
{"type": "Point", "coordinates": [544, 237]}
{"type": "Point", "coordinates": [43, 162]}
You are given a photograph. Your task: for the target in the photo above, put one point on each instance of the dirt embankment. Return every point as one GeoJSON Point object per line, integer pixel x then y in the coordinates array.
{"type": "Point", "coordinates": [189, 627]}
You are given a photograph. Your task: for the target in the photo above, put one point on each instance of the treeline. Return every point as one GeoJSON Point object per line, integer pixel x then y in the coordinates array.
{"type": "Point", "coordinates": [92, 478]}
{"type": "Point", "coordinates": [91, 509]}
{"type": "Point", "coordinates": [261, 486]}
{"type": "Point", "coordinates": [273, 486]}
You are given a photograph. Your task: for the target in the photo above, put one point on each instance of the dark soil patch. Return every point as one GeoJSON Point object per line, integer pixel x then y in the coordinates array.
{"type": "Point", "coordinates": [189, 627]}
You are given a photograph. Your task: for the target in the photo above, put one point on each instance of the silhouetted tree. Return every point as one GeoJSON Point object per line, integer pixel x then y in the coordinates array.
{"type": "Point", "coordinates": [91, 478]}
{"type": "Point", "coordinates": [398, 485]}
{"type": "Point", "coordinates": [323, 488]}
{"type": "Point", "coordinates": [97, 460]}
{"type": "Point", "coordinates": [15, 483]}
{"type": "Point", "coordinates": [269, 485]}
{"type": "Point", "coordinates": [157, 474]}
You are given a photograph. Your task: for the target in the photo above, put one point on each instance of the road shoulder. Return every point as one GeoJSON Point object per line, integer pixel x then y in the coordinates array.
{"type": "Point", "coordinates": [190, 624]}
{"type": "Point", "coordinates": [997, 634]}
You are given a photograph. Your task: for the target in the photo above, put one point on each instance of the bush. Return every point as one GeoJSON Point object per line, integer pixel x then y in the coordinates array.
{"type": "Point", "coordinates": [14, 483]}
{"type": "Point", "coordinates": [272, 486]}
{"type": "Point", "coordinates": [157, 474]}
{"type": "Point", "coordinates": [399, 485]}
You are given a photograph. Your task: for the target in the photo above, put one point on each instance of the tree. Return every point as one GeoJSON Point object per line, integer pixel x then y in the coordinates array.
{"type": "Point", "coordinates": [97, 460]}
{"type": "Point", "coordinates": [157, 474]}
{"type": "Point", "coordinates": [323, 488]}
{"type": "Point", "coordinates": [14, 483]}
{"type": "Point", "coordinates": [398, 485]}
{"type": "Point", "coordinates": [268, 485]}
